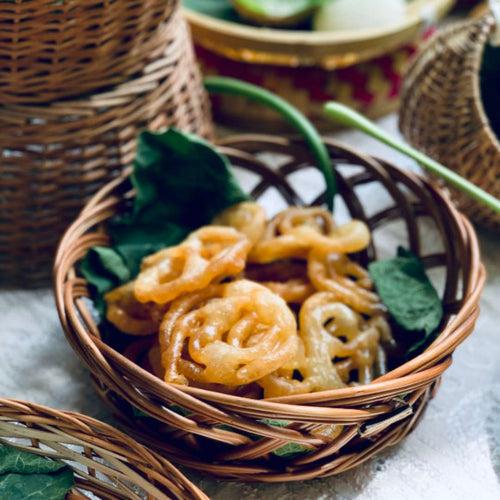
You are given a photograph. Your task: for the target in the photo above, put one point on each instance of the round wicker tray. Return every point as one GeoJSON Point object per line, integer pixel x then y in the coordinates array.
{"type": "Point", "coordinates": [442, 112]}
{"type": "Point", "coordinates": [107, 463]}
{"type": "Point", "coordinates": [53, 158]}
{"type": "Point", "coordinates": [52, 50]}
{"type": "Point", "coordinates": [224, 434]}
{"type": "Point", "coordinates": [362, 69]}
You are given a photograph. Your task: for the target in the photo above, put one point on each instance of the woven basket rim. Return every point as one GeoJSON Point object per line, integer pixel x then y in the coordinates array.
{"type": "Point", "coordinates": [295, 47]}
{"type": "Point", "coordinates": [15, 411]}
{"type": "Point", "coordinates": [420, 368]}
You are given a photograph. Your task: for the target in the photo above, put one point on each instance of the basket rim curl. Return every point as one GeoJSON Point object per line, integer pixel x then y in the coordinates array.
{"type": "Point", "coordinates": [58, 429]}
{"type": "Point", "coordinates": [348, 405]}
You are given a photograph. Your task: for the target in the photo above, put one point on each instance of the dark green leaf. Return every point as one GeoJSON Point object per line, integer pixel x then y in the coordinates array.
{"type": "Point", "coordinates": [53, 486]}
{"type": "Point", "coordinates": [408, 294]}
{"type": "Point", "coordinates": [181, 179]}
{"type": "Point", "coordinates": [24, 475]}
{"type": "Point", "coordinates": [133, 240]}
{"type": "Point", "coordinates": [291, 450]}
{"type": "Point", "coordinates": [23, 462]}
{"type": "Point", "coordinates": [104, 269]}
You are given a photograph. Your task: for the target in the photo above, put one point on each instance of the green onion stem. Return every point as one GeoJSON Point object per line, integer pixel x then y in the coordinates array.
{"type": "Point", "coordinates": [231, 86]}
{"type": "Point", "coordinates": [346, 116]}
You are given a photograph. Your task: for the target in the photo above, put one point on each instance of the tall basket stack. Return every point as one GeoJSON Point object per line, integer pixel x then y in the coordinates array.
{"type": "Point", "coordinates": [78, 80]}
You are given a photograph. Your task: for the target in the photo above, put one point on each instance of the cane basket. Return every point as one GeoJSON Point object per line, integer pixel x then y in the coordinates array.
{"type": "Point", "coordinates": [107, 464]}
{"type": "Point", "coordinates": [53, 158]}
{"type": "Point", "coordinates": [56, 49]}
{"type": "Point", "coordinates": [229, 436]}
{"type": "Point", "coordinates": [442, 112]}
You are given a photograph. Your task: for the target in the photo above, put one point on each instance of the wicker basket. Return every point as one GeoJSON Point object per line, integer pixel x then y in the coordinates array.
{"type": "Point", "coordinates": [54, 49]}
{"type": "Point", "coordinates": [224, 434]}
{"type": "Point", "coordinates": [53, 158]}
{"type": "Point", "coordinates": [107, 463]}
{"type": "Point", "coordinates": [442, 111]}
{"type": "Point", "coordinates": [361, 68]}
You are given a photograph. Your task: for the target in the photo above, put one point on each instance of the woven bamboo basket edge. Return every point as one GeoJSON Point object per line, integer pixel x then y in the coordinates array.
{"type": "Point", "coordinates": [79, 439]}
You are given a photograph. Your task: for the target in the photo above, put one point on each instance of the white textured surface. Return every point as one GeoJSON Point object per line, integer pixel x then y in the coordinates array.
{"type": "Point", "coordinates": [454, 453]}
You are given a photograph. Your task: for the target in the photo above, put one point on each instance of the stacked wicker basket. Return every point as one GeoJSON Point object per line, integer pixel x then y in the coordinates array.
{"type": "Point", "coordinates": [78, 79]}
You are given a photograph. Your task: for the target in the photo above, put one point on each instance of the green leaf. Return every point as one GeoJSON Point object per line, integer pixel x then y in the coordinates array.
{"type": "Point", "coordinates": [133, 240]}
{"type": "Point", "coordinates": [37, 486]}
{"type": "Point", "coordinates": [23, 462]}
{"type": "Point", "coordinates": [408, 294]}
{"type": "Point", "coordinates": [24, 475]}
{"type": "Point", "coordinates": [291, 450]}
{"type": "Point", "coordinates": [104, 269]}
{"type": "Point", "coordinates": [275, 423]}
{"type": "Point", "coordinates": [179, 178]}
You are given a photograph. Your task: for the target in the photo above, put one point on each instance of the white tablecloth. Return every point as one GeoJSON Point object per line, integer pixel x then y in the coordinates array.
{"type": "Point", "coordinates": [454, 453]}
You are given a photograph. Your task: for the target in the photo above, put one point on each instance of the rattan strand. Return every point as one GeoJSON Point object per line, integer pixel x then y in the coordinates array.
{"type": "Point", "coordinates": [106, 462]}
{"type": "Point", "coordinates": [52, 159]}
{"type": "Point", "coordinates": [442, 112]}
{"type": "Point", "coordinates": [52, 50]}
{"type": "Point", "coordinates": [214, 437]}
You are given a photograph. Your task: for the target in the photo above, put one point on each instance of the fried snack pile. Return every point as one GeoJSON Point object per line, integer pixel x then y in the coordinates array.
{"type": "Point", "coordinates": [255, 307]}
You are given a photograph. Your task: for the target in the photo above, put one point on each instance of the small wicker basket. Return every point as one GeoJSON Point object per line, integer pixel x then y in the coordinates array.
{"type": "Point", "coordinates": [442, 111]}
{"type": "Point", "coordinates": [53, 158]}
{"type": "Point", "coordinates": [55, 49]}
{"type": "Point", "coordinates": [107, 464]}
{"type": "Point", "coordinates": [224, 434]}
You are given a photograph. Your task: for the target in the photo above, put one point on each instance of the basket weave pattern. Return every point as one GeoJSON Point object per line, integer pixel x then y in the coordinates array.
{"type": "Point", "coordinates": [52, 49]}
{"type": "Point", "coordinates": [107, 463]}
{"type": "Point", "coordinates": [224, 434]}
{"type": "Point", "coordinates": [442, 113]}
{"type": "Point", "coordinates": [52, 159]}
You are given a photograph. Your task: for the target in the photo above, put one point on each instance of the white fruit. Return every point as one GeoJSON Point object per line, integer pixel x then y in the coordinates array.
{"type": "Point", "coordinates": [335, 15]}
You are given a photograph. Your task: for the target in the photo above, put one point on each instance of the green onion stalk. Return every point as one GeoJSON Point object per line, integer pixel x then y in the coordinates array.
{"type": "Point", "coordinates": [231, 86]}
{"type": "Point", "coordinates": [347, 117]}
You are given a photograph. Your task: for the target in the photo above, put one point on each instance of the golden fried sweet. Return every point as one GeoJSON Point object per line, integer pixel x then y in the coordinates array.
{"type": "Point", "coordinates": [231, 334]}
{"type": "Point", "coordinates": [131, 316]}
{"type": "Point", "coordinates": [336, 342]}
{"type": "Point", "coordinates": [293, 232]}
{"type": "Point", "coordinates": [208, 254]}
{"type": "Point", "coordinates": [350, 282]}
{"type": "Point", "coordinates": [247, 217]}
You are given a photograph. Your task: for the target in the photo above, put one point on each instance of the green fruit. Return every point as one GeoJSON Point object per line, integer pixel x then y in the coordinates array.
{"type": "Point", "coordinates": [282, 13]}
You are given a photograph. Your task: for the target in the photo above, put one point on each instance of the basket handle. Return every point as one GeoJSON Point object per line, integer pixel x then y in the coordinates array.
{"type": "Point", "coordinates": [495, 10]}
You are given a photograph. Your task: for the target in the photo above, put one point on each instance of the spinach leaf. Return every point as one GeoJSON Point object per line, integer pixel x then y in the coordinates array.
{"type": "Point", "coordinates": [181, 183]}
{"type": "Point", "coordinates": [24, 475]}
{"type": "Point", "coordinates": [181, 179]}
{"type": "Point", "coordinates": [408, 294]}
